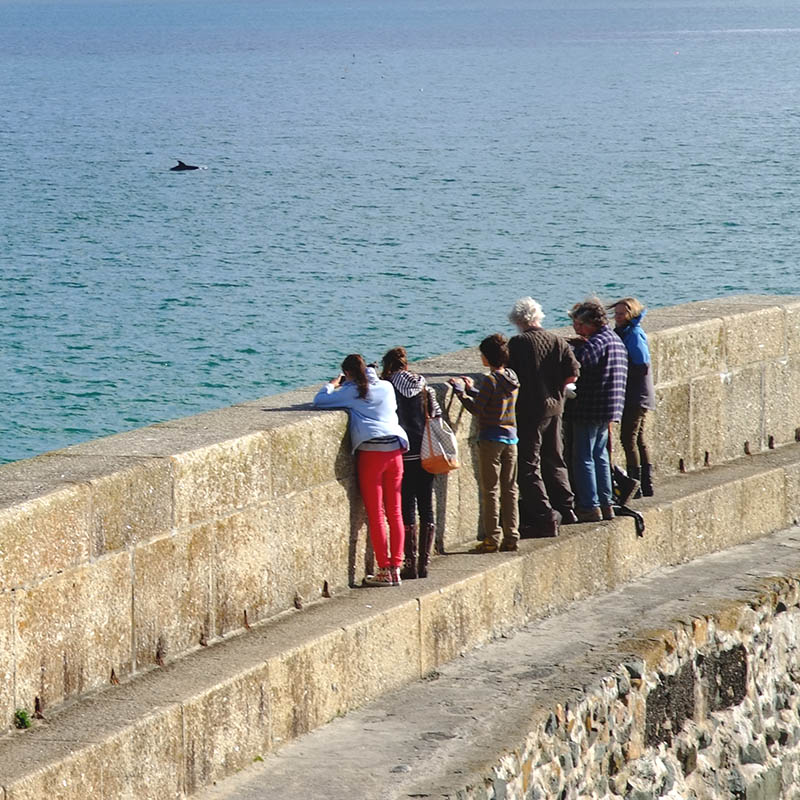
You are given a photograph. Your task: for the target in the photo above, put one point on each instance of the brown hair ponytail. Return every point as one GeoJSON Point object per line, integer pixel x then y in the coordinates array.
{"type": "Point", "coordinates": [356, 367]}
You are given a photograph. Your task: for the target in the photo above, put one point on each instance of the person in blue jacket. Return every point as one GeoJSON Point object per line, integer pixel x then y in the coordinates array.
{"type": "Point", "coordinates": [640, 394]}
{"type": "Point", "coordinates": [379, 443]}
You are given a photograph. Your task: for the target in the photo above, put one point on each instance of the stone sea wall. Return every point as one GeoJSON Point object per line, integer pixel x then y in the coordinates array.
{"type": "Point", "coordinates": [706, 709]}
{"type": "Point", "coordinates": [124, 553]}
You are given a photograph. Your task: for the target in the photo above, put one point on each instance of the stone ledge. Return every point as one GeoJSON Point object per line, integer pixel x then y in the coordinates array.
{"type": "Point", "coordinates": [299, 671]}
{"type": "Point", "coordinates": [594, 702]}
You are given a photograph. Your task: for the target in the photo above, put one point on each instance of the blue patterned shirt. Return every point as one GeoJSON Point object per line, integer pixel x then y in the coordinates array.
{"type": "Point", "coordinates": [601, 385]}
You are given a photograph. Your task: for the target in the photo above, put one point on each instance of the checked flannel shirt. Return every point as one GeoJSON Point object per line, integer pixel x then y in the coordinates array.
{"type": "Point", "coordinates": [601, 385]}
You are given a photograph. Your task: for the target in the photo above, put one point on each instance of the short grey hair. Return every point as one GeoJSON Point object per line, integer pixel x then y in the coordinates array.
{"type": "Point", "coordinates": [526, 313]}
{"type": "Point", "coordinates": [590, 312]}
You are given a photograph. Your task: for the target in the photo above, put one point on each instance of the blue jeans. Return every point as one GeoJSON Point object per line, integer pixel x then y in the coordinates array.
{"type": "Point", "coordinates": [590, 464]}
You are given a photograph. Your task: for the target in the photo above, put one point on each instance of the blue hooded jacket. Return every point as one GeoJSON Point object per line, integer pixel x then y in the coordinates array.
{"type": "Point", "coordinates": [639, 391]}
{"type": "Point", "coordinates": [371, 417]}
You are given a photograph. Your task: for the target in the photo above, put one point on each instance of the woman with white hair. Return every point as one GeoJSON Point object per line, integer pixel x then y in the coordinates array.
{"type": "Point", "coordinates": [526, 313]}
{"type": "Point", "coordinates": [544, 364]}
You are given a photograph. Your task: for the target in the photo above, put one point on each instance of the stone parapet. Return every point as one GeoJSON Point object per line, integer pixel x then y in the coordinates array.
{"type": "Point", "coordinates": [123, 554]}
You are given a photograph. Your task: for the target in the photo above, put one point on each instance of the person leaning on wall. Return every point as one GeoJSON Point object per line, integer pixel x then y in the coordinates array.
{"type": "Point", "coordinates": [600, 399]}
{"type": "Point", "coordinates": [640, 395]}
{"type": "Point", "coordinates": [414, 398]}
{"type": "Point", "coordinates": [493, 404]}
{"type": "Point", "coordinates": [379, 443]}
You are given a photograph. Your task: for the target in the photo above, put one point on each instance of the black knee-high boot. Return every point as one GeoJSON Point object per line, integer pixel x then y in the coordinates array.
{"type": "Point", "coordinates": [426, 536]}
{"type": "Point", "coordinates": [409, 571]}
{"type": "Point", "coordinates": [647, 480]}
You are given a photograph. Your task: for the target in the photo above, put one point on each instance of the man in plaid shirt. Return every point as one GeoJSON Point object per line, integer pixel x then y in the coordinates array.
{"type": "Point", "coordinates": [599, 402]}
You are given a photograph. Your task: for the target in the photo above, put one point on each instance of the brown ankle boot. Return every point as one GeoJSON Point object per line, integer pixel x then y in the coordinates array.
{"type": "Point", "coordinates": [426, 537]}
{"type": "Point", "coordinates": [409, 571]}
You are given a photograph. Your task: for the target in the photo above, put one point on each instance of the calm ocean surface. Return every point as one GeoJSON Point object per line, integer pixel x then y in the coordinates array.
{"type": "Point", "coordinates": [379, 172]}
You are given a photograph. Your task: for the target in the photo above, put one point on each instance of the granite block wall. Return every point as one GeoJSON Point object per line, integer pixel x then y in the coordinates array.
{"type": "Point", "coordinates": [123, 553]}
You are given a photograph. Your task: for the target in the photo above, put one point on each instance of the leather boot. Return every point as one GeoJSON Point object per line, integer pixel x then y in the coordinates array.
{"type": "Point", "coordinates": [625, 485]}
{"type": "Point", "coordinates": [647, 480]}
{"type": "Point", "coordinates": [426, 537]}
{"type": "Point", "coordinates": [636, 474]}
{"type": "Point", "coordinates": [409, 571]}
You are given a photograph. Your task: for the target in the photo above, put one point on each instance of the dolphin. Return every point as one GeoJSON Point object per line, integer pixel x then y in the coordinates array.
{"type": "Point", "coordinates": [181, 166]}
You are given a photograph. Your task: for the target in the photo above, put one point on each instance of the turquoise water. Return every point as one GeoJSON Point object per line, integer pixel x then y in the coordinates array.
{"type": "Point", "coordinates": [378, 173]}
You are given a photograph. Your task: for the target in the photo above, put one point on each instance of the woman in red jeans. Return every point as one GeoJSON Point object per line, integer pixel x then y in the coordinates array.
{"type": "Point", "coordinates": [379, 443]}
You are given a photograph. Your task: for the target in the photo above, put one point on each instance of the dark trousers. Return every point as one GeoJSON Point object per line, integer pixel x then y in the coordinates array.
{"type": "Point", "coordinates": [543, 476]}
{"type": "Point", "coordinates": [417, 493]}
{"type": "Point", "coordinates": [631, 433]}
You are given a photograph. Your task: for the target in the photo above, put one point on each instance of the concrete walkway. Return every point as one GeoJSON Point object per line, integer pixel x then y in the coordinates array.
{"type": "Point", "coordinates": [427, 739]}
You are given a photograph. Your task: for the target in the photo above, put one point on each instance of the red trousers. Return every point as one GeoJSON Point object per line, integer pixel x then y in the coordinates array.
{"type": "Point", "coordinates": [380, 474]}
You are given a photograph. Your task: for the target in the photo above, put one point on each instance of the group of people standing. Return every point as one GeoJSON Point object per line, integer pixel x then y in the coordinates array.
{"type": "Point", "coordinates": [544, 396]}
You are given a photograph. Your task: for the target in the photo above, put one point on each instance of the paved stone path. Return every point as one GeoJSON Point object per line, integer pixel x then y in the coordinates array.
{"type": "Point", "coordinates": [425, 739]}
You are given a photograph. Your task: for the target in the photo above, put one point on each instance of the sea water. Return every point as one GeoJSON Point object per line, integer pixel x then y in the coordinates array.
{"type": "Point", "coordinates": [376, 173]}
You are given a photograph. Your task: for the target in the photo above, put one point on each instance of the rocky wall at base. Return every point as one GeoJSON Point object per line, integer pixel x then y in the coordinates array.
{"type": "Point", "coordinates": [706, 709]}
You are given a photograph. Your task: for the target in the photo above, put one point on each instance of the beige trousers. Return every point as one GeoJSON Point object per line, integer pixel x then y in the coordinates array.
{"type": "Point", "coordinates": [499, 494]}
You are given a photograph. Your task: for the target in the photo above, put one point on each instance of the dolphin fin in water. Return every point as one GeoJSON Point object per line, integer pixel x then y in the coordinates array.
{"type": "Point", "coordinates": [181, 166]}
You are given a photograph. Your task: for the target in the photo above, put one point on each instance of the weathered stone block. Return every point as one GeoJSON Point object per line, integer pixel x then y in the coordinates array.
{"type": "Point", "coordinates": [101, 750]}
{"type": "Point", "coordinates": [72, 630]}
{"type": "Point", "coordinates": [451, 527]}
{"type": "Point", "coordinates": [506, 609]}
{"type": "Point", "coordinates": [456, 501]}
{"type": "Point", "coordinates": [742, 412]}
{"type": "Point", "coordinates": [227, 727]}
{"type": "Point", "coordinates": [792, 325]}
{"type": "Point", "coordinates": [44, 535]}
{"type": "Point", "coordinates": [220, 478]}
{"type": "Point", "coordinates": [144, 761]}
{"type": "Point", "coordinates": [652, 344]}
{"type": "Point", "coordinates": [757, 335]}
{"type": "Point", "coordinates": [266, 558]}
{"type": "Point", "coordinates": [6, 660]}
{"type": "Point", "coordinates": [172, 595]}
{"type": "Point", "coordinates": [311, 452]}
{"type": "Point", "coordinates": [565, 569]}
{"type": "Point", "coordinates": [319, 537]}
{"type": "Point", "coordinates": [781, 403]}
{"type": "Point", "coordinates": [452, 620]}
{"type": "Point", "coordinates": [792, 488]}
{"type": "Point", "coordinates": [630, 556]}
{"type": "Point", "coordinates": [706, 521]}
{"type": "Point", "coordinates": [764, 507]}
{"type": "Point", "coordinates": [670, 428]}
{"type": "Point", "coordinates": [131, 496]}
{"type": "Point", "coordinates": [469, 495]}
{"type": "Point", "coordinates": [688, 351]}
{"type": "Point", "coordinates": [246, 585]}
{"type": "Point", "coordinates": [74, 776]}
{"type": "Point", "coordinates": [708, 422]}
{"type": "Point", "coordinates": [384, 654]}
{"type": "Point", "coordinates": [305, 686]}
{"type": "Point", "coordinates": [131, 505]}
